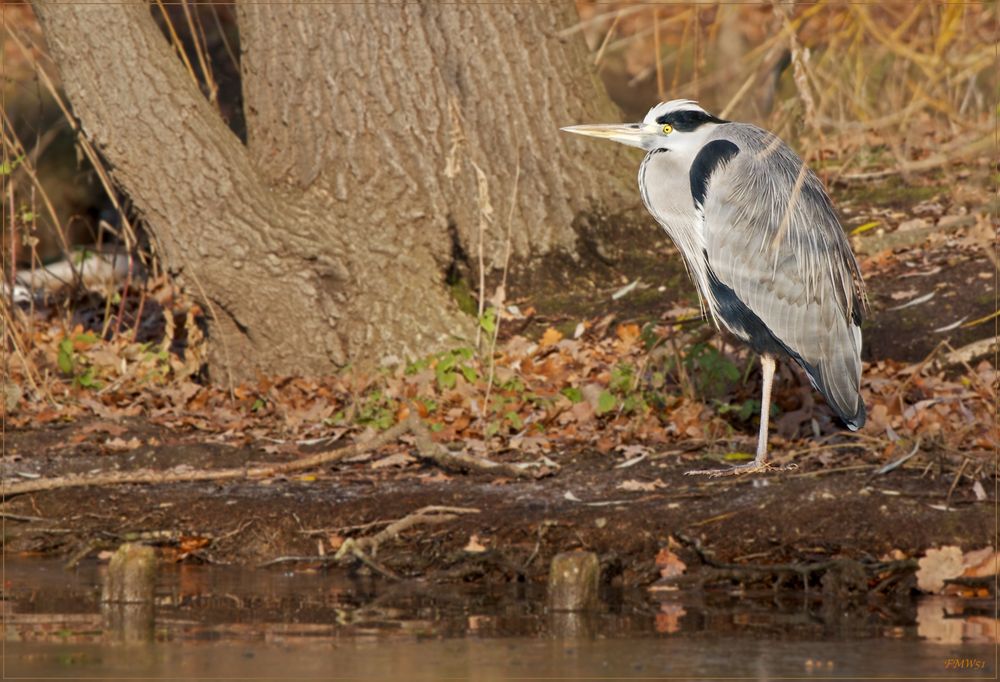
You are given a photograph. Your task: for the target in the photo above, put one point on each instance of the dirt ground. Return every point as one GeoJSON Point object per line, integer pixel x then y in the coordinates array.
{"type": "Point", "coordinates": [813, 513]}
{"type": "Point", "coordinates": [793, 524]}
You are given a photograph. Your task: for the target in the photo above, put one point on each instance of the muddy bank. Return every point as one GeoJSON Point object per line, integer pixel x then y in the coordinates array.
{"type": "Point", "coordinates": [832, 506]}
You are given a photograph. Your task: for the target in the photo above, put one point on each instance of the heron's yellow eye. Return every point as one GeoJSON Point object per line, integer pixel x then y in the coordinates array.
{"type": "Point", "coordinates": [667, 129]}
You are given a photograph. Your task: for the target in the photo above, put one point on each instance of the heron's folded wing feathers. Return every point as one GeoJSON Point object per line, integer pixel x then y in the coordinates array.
{"type": "Point", "coordinates": [772, 237]}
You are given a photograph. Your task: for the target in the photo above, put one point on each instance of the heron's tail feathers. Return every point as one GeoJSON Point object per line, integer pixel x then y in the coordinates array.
{"type": "Point", "coordinates": [838, 378]}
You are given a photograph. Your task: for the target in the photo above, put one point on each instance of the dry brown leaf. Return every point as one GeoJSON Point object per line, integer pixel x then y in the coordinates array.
{"type": "Point", "coordinates": [641, 486]}
{"type": "Point", "coordinates": [400, 459]}
{"type": "Point", "coordinates": [121, 445]}
{"type": "Point", "coordinates": [981, 563]}
{"type": "Point", "coordinates": [670, 564]}
{"type": "Point", "coordinates": [474, 546]}
{"type": "Point", "coordinates": [551, 337]}
{"type": "Point", "coordinates": [668, 620]}
{"type": "Point", "coordinates": [627, 333]}
{"type": "Point", "coordinates": [938, 565]}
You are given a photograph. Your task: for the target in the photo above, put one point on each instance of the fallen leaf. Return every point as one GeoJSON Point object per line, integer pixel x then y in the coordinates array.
{"type": "Point", "coordinates": [668, 620]}
{"type": "Point", "coordinates": [400, 459]}
{"type": "Point", "coordinates": [436, 477]}
{"type": "Point", "coordinates": [914, 224]}
{"type": "Point", "coordinates": [915, 301]}
{"type": "Point", "coordinates": [670, 564]}
{"type": "Point", "coordinates": [474, 545]}
{"type": "Point", "coordinates": [627, 333]}
{"type": "Point", "coordinates": [641, 486]}
{"type": "Point", "coordinates": [981, 563]}
{"type": "Point", "coordinates": [121, 445]}
{"type": "Point", "coordinates": [938, 565]}
{"type": "Point", "coordinates": [979, 491]}
{"type": "Point", "coordinates": [551, 337]}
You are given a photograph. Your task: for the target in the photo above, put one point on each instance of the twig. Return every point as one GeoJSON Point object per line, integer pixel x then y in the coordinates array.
{"type": "Point", "coordinates": [723, 569]}
{"type": "Point", "coordinates": [899, 462]}
{"type": "Point", "coordinates": [325, 559]}
{"type": "Point", "coordinates": [501, 293]}
{"type": "Point", "coordinates": [607, 37]}
{"type": "Point", "coordinates": [151, 477]}
{"type": "Point", "coordinates": [350, 546]}
{"type": "Point", "coordinates": [954, 483]}
{"type": "Point", "coordinates": [21, 517]}
{"type": "Point", "coordinates": [424, 515]}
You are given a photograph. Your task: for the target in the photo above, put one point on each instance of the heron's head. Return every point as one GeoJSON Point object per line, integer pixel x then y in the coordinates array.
{"type": "Point", "coordinates": [677, 126]}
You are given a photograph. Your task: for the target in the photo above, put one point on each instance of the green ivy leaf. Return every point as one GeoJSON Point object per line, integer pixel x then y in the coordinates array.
{"type": "Point", "coordinates": [515, 420]}
{"type": "Point", "coordinates": [605, 402]}
{"type": "Point", "coordinates": [65, 358]}
{"type": "Point", "coordinates": [469, 373]}
{"type": "Point", "coordinates": [573, 394]}
{"type": "Point", "coordinates": [446, 379]}
{"type": "Point", "coordinates": [7, 167]}
{"type": "Point", "coordinates": [488, 320]}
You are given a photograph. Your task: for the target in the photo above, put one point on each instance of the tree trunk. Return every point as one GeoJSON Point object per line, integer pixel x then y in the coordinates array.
{"type": "Point", "coordinates": [383, 140]}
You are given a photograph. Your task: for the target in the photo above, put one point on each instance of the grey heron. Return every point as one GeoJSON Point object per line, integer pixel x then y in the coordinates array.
{"type": "Point", "coordinates": [762, 243]}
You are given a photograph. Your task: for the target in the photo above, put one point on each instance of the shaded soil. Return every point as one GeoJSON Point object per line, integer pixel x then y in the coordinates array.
{"type": "Point", "coordinates": [813, 513]}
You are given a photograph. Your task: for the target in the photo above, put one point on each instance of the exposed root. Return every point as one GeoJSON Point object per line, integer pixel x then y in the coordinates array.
{"type": "Point", "coordinates": [717, 570]}
{"type": "Point", "coordinates": [461, 461]}
{"type": "Point", "coordinates": [425, 515]}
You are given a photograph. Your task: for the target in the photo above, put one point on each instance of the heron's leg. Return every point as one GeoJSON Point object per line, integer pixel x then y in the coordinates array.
{"type": "Point", "coordinates": [759, 463]}
{"type": "Point", "coordinates": [767, 366]}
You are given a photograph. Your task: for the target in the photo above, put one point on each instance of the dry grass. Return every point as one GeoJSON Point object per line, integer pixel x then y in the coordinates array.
{"type": "Point", "coordinates": [891, 86]}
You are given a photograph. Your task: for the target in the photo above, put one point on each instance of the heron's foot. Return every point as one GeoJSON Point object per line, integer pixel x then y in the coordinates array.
{"type": "Point", "coordinates": [753, 467]}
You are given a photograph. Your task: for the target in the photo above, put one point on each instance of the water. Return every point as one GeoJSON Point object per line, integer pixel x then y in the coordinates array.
{"type": "Point", "coordinates": [219, 622]}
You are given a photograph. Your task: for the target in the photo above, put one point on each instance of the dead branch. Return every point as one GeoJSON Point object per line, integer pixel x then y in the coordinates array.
{"type": "Point", "coordinates": [427, 449]}
{"type": "Point", "coordinates": [152, 477]}
{"type": "Point", "coordinates": [461, 461]}
{"type": "Point", "coordinates": [324, 559]}
{"type": "Point", "coordinates": [719, 570]}
{"type": "Point", "coordinates": [970, 352]}
{"type": "Point", "coordinates": [424, 515]}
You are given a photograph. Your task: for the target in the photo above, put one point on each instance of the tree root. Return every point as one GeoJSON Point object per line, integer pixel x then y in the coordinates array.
{"type": "Point", "coordinates": [427, 449]}
{"type": "Point", "coordinates": [717, 570]}
{"type": "Point", "coordinates": [364, 549]}
{"type": "Point", "coordinates": [461, 461]}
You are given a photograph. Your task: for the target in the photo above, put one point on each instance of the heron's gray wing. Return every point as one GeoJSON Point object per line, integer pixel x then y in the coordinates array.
{"type": "Point", "coordinates": [779, 265]}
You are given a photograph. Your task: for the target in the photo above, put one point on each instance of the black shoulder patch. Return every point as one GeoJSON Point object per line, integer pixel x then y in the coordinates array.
{"type": "Point", "coordinates": [709, 158]}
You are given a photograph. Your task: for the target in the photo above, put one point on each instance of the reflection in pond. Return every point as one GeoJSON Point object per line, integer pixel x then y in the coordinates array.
{"type": "Point", "coordinates": [209, 620]}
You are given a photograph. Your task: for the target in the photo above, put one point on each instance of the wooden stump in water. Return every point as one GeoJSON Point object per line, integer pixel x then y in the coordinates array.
{"type": "Point", "coordinates": [573, 581]}
{"type": "Point", "coordinates": [131, 575]}
{"type": "Point", "coordinates": [128, 594]}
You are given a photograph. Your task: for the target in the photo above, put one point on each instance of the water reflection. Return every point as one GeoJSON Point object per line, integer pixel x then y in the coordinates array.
{"type": "Point", "coordinates": [270, 623]}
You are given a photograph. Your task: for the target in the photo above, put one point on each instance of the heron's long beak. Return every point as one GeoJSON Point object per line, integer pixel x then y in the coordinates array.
{"type": "Point", "coordinates": [634, 134]}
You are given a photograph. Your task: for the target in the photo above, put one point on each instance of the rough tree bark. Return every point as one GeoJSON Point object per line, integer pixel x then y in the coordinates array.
{"type": "Point", "coordinates": [379, 137]}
